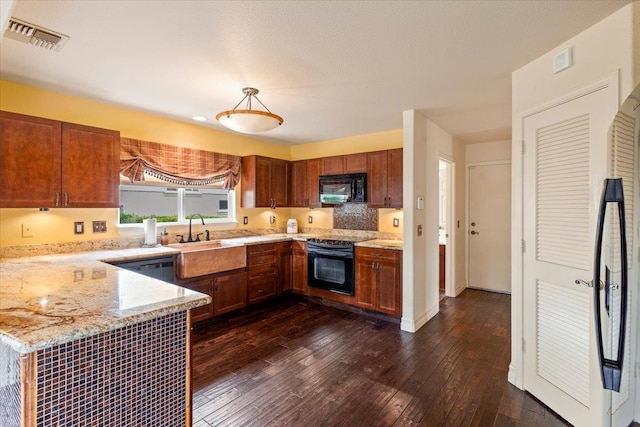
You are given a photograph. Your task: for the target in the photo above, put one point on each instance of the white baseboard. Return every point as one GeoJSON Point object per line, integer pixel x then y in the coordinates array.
{"type": "Point", "coordinates": [460, 287]}
{"type": "Point", "coordinates": [412, 325]}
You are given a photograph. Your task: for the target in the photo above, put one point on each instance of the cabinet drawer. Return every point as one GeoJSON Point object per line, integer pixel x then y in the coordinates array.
{"type": "Point", "coordinates": [262, 289]}
{"type": "Point", "coordinates": [286, 246]}
{"type": "Point", "coordinates": [262, 273]}
{"type": "Point", "coordinates": [262, 260]}
{"type": "Point", "coordinates": [377, 254]}
{"type": "Point", "coordinates": [262, 248]}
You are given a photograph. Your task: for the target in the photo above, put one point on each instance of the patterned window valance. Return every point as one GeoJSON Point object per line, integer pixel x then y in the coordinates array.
{"type": "Point", "coordinates": [178, 165]}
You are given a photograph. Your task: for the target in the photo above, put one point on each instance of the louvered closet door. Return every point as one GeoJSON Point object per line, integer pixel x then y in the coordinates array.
{"type": "Point", "coordinates": [564, 164]}
{"type": "Point", "coordinates": [623, 156]}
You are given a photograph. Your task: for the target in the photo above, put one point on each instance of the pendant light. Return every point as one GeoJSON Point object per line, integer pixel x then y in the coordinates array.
{"type": "Point", "coordinates": [248, 120]}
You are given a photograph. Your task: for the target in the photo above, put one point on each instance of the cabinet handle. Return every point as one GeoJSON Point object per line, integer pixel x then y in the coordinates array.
{"type": "Point", "coordinates": [274, 203]}
{"type": "Point", "coordinates": [66, 199]}
{"type": "Point", "coordinates": [57, 199]}
{"type": "Point", "coordinates": [389, 205]}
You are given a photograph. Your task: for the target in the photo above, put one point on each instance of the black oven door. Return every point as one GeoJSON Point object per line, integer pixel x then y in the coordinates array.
{"type": "Point", "coordinates": [331, 270]}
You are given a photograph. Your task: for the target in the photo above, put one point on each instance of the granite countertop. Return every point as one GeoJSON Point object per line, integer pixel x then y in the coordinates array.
{"type": "Point", "coordinates": [50, 300]}
{"type": "Point", "coordinates": [53, 299]}
{"type": "Point", "coordinates": [382, 243]}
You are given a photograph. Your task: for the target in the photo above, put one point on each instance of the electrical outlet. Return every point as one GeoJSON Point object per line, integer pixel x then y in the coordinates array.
{"type": "Point", "coordinates": [27, 230]}
{"type": "Point", "coordinates": [78, 228]}
{"type": "Point", "coordinates": [272, 219]}
{"type": "Point", "coordinates": [310, 219]}
{"type": "Point", "coordinates": [99, 226]}
{"type": "Point", "coordinates": [396, 222]}
{"type": "Point", "coordinates": [245, 220]}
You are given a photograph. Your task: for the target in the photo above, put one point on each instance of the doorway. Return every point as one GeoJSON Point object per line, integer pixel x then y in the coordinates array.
{"type": "Point", "coordinates": [489, 226]}
{"type": "Point", "coordinates": [445, 227]}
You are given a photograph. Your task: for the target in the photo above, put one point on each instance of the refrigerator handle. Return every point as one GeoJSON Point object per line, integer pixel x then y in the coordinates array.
{"type": "Point", "coordinates": [611, 369]}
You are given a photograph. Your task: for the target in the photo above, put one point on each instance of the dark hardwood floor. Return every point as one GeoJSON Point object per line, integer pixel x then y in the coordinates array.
{"type": "Point", "coordinates": [304, 364]}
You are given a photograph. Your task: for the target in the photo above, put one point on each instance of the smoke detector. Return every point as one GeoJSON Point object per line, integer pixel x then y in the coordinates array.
{"type": "Point", "coordinates": [35, 35]}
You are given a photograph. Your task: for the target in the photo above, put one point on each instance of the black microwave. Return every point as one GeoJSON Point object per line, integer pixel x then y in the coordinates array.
{"type": "Point", "coordinates": [337, 189]}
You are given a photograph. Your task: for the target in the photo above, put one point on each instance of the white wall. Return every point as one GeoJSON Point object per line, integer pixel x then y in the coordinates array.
{"type": "Point", "coordinates": [612, 46]}
{"type": "Point", "coordinates": [424, 142]}
{"type": "Point", "coordinates": [488, 151]}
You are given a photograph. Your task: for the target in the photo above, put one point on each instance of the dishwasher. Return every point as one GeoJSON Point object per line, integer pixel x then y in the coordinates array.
{"type": "Point", "coordinates": [158, 268]}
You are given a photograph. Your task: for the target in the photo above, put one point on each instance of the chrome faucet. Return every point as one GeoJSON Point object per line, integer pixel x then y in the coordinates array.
{"type": "Point", "coordinates": [190, 238]}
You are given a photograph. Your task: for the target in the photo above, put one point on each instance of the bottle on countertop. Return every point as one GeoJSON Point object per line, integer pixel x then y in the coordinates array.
{"type": "Point", "coordinates": [164, 237]}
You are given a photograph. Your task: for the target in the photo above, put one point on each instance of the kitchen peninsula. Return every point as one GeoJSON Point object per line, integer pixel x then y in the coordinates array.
{"type": "Point", "coordinates": [86, 343]}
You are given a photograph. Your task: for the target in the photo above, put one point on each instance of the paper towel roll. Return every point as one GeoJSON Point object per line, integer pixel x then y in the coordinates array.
{"type": "Point", "coordinates": [150, 235]}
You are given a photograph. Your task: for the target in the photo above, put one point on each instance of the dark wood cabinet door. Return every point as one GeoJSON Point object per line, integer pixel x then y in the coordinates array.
{"type": "Point", "coordinates": [300, 279]}
{"type": "Point", "coordinates": [333, 165]}
{"type": "Point", "coordinates": [229, 292]}
{"type": "Point", "coordinates": [90, 167]}
{"type": "Point", "coordinates": [285, 276]}
{"type": "Point", "coordinates": [365, 283]}
{"type": "Point", "coordinates": [394, 178]}
{"type": "Point", "coordinates": [262, 182]}
{"type": "Point", "coordinates": [30, 154]}
{"type": "Point", "coordinates": [389, 284]}
{"type": "Point", "coordinates": [355, 163]}
{"type": "Point", "coordinates": [377, 179]}
{"type": "Point", "coordinates": [299, 184]}
{"type": "Point", "coordinates": [279, 182]}
{"type": "Point", "coordinates": [202, 285]}
{"type": "Point", "coordinates": [313, 183]}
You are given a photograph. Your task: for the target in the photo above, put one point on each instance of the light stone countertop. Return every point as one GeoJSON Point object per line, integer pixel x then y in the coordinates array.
{"type": "Point", "coordinates": [50, 300]}
{"type": "Point", "coordinates": [382, 243]}
{"type": "Point", "coordinates": [53, 299]}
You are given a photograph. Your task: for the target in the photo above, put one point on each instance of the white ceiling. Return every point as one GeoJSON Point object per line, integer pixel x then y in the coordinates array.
{"type": "Point", "coordinates": [330, 69]}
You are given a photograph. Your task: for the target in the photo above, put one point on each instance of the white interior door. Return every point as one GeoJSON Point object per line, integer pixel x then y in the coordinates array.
{"type": "Point", "coordinates": [490, 227]}
{"type": "Point", "coordinates": [564, 166]}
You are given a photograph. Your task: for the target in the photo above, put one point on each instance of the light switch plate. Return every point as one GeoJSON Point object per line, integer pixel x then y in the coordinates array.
{"type": "Point", "coordinates": [396, 222]}
{"type": "Point", "coordinates": [78, 227]}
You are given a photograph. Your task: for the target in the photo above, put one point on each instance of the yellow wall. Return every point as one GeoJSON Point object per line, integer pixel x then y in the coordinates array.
{"type": "Point", "coordinates": [56, 226]}
{"type": "Point", "coordinates": [354, 144]}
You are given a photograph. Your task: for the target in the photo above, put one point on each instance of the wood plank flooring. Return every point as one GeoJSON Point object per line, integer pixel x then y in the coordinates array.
{"type": "Point", "coordinates": [303, 364]}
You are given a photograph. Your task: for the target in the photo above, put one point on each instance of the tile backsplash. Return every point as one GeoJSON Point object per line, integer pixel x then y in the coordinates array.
{"type": "Point", "coordinates": [355, 216]}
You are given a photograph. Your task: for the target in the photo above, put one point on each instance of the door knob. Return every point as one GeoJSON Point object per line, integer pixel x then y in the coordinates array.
{"type": "Point", "coordinates": [473, 232]}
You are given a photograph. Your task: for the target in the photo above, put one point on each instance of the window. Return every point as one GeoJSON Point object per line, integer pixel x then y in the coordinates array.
{"type": "Point", "coordinates": [174, 204]}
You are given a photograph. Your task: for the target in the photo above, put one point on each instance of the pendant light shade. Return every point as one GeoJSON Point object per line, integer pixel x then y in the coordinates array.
{"type": "Point", "coordinates": [248, 120]}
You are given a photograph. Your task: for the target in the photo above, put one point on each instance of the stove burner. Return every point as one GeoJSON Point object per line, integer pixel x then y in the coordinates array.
{"type": "Point", "coordinates": [343, 241]}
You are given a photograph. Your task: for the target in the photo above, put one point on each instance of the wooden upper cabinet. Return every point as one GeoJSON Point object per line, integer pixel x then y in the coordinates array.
{"type": "Point", "coordinates": [279, 177]}
{"type": "Point", "coordinates": [305, 176]}
{"type": "Point", "coordinates": [47, 163]}
{"type": "Point", "coordinates": [333, 165]}
{"type": "Point", "coordinates": [264, 182]}
{"type": "Point", "coordinates": [90, 167]}
{"type": "Point", "coordinates": [384, 179]}
{"type": "Point", "coordinates": [30, 153]}
{"type": "Point", "coordinates": [313, 183]}
{"type": "Point", "coordinates": [299, 184]}
{"type": "Point", "coordinates": [355, 163]}
{"type": "Point", "coordinates": [350, 163]}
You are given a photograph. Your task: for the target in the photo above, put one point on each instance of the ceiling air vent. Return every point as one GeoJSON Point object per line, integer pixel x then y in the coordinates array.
{"type": "Point", "coordinates": [37, 36]}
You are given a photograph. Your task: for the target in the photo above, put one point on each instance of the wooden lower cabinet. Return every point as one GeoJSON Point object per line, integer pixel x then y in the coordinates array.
{"type": "Point", "coordinates": [204, 285]}
{"type": "Point", "coordinates": [300, 285]}
{"type": "Point", "coordinates": [229, 292]}
{"type": "Point", "coordinates": [285, 277]}
{"type": "Point", "coordinates": [262, 272]}
{"type": "Point", "coordinates": [379, 280]}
